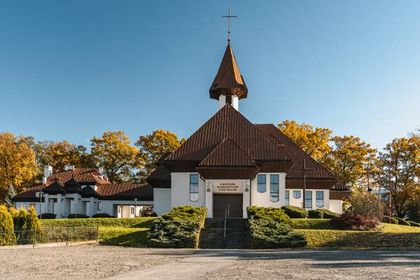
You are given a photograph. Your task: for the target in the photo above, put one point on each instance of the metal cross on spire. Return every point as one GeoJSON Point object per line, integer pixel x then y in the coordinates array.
{"type": "Point", "coordinates": [228, 17]}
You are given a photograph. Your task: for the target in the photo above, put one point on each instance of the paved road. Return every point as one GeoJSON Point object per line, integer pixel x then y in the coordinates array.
{"type": "Point", "coordinates": [286, 264]}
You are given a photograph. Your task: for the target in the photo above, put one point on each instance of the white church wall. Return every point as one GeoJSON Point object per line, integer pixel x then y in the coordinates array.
{"type": "Point", "coordinates": [162, 200]}
{"type": "Point", "coordinates": [180, 186]}
{"type": "Point", "coordinates": [336, 206]}
{"type": "Point", "coordinates": [263, 199]}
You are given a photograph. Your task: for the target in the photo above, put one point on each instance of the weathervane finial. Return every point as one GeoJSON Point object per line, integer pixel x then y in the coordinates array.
{"type": "Point", "coordinates": [228, 17]}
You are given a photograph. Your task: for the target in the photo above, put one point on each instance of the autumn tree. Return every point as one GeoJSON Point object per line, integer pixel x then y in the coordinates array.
{"type": "Point", "coordinates": [313, 140]}
{"type": "Point", "coordinates": [399, 172]}
{"type": "Point", "coordinates": [114, 152]}
{"type": "Point", "coordinates": [61, 153]}
{"type": "Point", "coordinates": [154, 146]}
{"type": "Point", "coordinates": [351, 159]}
{"type": "Point", "coordinates": [17, 162]}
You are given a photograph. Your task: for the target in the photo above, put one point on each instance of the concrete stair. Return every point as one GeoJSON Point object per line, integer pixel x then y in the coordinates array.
{"type": "Point", "coordinates": [237, 236]}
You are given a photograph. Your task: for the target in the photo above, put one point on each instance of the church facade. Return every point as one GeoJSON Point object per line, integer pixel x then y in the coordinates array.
{"type": "Point", "coordinates": [230, 163]}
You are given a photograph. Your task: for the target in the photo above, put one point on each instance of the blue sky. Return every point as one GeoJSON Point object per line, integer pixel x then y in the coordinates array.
{"type": "Point", "coordinates": [73, 69]}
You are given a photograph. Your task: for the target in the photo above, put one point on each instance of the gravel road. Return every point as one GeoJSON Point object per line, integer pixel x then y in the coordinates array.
{"type": "Point", "coordinates": [99, 262]}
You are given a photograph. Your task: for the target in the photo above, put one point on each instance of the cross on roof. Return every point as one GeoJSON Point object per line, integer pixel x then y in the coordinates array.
{"type": "Point", "coordinates": [228, 17]}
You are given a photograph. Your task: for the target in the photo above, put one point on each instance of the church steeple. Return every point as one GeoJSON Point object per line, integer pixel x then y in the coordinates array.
{"type": "Point", "coordinates": [228, 85]}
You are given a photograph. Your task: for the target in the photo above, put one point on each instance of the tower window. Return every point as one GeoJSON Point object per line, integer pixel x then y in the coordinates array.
{"type": "Point", "coordinates": [229, 99]}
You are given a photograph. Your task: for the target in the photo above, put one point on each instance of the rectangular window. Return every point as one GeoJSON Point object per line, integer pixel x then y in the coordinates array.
{"type": "Point", "coordinates": [274, 187]}
{"type": "Point", "coordinates": [308, 199]}
{"type": "Point", "coordinates": [261, 183]}
{"type": "Point", "coordinates": [287, 195]}
{"type": "Point", "coordinates": [132, 210]}
{"type": "Point", "coordinates": [193, 187]}
{"type": "Point", "coordinates": [319, 199]}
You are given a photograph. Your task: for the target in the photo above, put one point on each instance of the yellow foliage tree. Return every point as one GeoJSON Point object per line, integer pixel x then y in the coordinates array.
{"type": "Point", "coordinates": [153, 146]}
{"type": "Point", "coordinates": [17, 162]}
{"type": "Point", "coordinates": [114, 152]}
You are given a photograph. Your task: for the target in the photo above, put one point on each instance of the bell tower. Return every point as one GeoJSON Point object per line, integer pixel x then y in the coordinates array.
{"type": "Point", "coordinates": [228, 86]}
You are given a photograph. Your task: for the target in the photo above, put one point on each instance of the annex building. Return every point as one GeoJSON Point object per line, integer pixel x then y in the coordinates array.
{"type": "Point", "coordinates": [230, 163]}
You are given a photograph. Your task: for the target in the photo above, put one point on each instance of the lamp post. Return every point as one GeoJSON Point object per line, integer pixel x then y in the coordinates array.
{"type": "Point", "coordinates": [40, 204]}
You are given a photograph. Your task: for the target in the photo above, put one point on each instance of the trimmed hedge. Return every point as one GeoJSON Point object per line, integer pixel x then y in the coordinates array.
{"type": "Point", "coordinates": [179, 228]}
{"type": "Point", "coordinates": [27, 227]}
{"type": "Point", "coordinates": [7, 236]}
{"type": "Point", "coordinates": [311, 224]}
{"type": "Point", "coordinates": [140, 222]}
{"type": "Point", "coordinates": [360, 239]}
{"type": "Point", "coordinates": [102, 215]}
{"type": "Point", "coordinates": [414, 224]}
{"type": "Point", "coordinates": [328, 214]}
{"type": "Point", "coordinates": [77, 216]}
{"type": "Point", "coordinates": [269, 213]}
{"type": "Point", "coordinates": [315, 214]}
{"type": "Point", "coordinates": [47, 216]}
{"type": "Point", "coordinates": [295, 212]}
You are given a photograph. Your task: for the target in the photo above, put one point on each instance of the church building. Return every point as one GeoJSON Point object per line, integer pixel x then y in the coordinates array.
{"type": "Point", "coordinates": [230, 163]}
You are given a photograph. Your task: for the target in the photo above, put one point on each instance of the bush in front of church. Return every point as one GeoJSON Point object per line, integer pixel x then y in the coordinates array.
{"type": "Point", "coordinates": [266, 234]}
{"type": "Point", "coordinates": [270, 228]}
{"type": "Point", "coordinates": [179, 228]}
{"type": "Point", "coordinates": [295, 212]}
{"type": "Point", "coordinates": [315, 214]}
{"type": "Point", "coordinates": [27, 227]}
{"type": "Point", "coordinates": [268, 213]}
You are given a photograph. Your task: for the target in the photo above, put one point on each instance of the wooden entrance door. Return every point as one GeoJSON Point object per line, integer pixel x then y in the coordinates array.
{"type": "Point", "coordinates": [221, 202]}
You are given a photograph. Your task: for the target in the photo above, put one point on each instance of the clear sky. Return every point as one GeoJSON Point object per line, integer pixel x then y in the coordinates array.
{"type": "Point", "coordinates": [73, 69]}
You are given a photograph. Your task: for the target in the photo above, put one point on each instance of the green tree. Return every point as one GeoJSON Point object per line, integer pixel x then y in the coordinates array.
{"type": "Point", "coordinates": [313, 140]}
{"type": "Point", "coordinates": [7, 236]}
{"type": "Point", "coordinates": [399, 165]}
{"type": "Point", "coordinates": [351, 159]}
{"type": "Point", "coordinates": [17, 162]}
{"type": "Point", "coordinates": [114, 152]}
{"type": "Point", "coordinates": [154, 146]}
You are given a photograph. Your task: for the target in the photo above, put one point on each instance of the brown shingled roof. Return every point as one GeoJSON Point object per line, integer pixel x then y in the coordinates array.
{"type": "Point", "coordinates": [228, 123]}
{"type": "Point", "coordinates": [317, 170]}
{"type": "Point", "coordinates": [126, 191]}
{"type": "Point", "coordinates": [228, 80]}
{"type": "Point", "coordinates": [227, 153]}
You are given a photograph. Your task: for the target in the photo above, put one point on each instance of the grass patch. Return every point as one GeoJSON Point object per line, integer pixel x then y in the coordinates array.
{"type": "Point", "coordinates": [391, 236]}
{"type": "Point", "coordinates": [123, 236]}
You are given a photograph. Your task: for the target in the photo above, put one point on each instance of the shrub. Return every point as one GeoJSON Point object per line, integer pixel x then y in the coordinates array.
{"type": "Point", "coordinates": [328, 214]}
{"type": "Point", "coordinates": [102, 215]}
{"type": "Point", "coordinates": [390, 220]}
{"type": "Point", "coordinates": [26, 225]}
{"type": "Point", "coordinates": [47, 216]}
{"type": "Point", "coordinates": [268, 213]}
{"type": "Point", "coordinates": [140, 222]}
{"type": "Point", "coordinates": [315, 214]}
{"type": "Point", "coordinates": [351, 221]}
{"type": "Point", "coordinates": [77, 216]}
{"type": "Point", "coordinates": [271, 234]}
{"type": "Point", "coordinates": [402, 221]}
{"type": "Point", "coordinates": [7, 236]}
{"type": "Point", "coordinates": [365, 204]}
{"type": "Point", "coordinates": [295, 212]}
{"type": "Point", "coordinates": [311, 224]}
{"type": "Point", "coordinates": [179, 228]}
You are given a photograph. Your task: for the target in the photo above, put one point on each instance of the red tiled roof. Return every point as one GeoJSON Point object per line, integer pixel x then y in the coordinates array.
{"type": "Point", "coordinates": [316, 170]}
{"type": "Point", "coordinates": [228, 123]}
{"type": "Point", "coordinates": [81, 175]}
{"type": "Point", "coordinates": [228, 80]}
{"type": "Point", "coordinates": [126, 191]}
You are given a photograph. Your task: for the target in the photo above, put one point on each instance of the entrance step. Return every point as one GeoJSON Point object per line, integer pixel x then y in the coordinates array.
{"type": "Point", "coordinates": [212, 235]}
